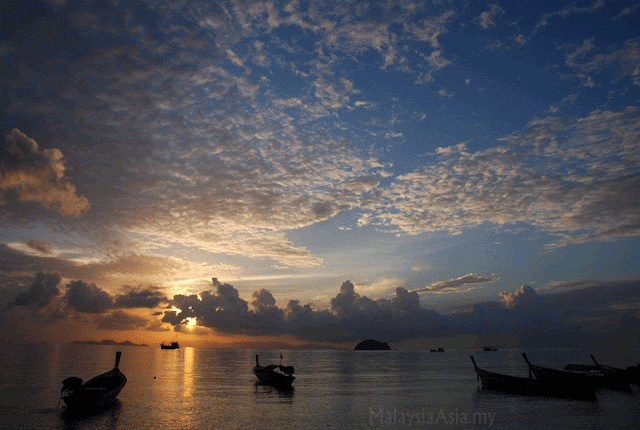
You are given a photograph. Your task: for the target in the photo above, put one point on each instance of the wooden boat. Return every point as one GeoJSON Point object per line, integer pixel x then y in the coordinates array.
{"type": "Point", "coordinates": [174, 345]}
{"type": "Point", "coordinates": [490, 348]}
{"type": "Point", "coordinates": [631, 374]}
{"type": "Point", "coordinates": [269, 376]}
{"type": "Point", "coordinates": [585, 376]}
{"type": "Point", "coordinates": [96, 392]}
{"type": "Point", "coordinates": [532, 387]}
{"type": "Point", "coordinates": [438, 350]}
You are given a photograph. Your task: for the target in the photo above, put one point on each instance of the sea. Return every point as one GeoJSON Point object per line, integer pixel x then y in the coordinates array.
{"type": "Point", "coordinates": [197, 388]}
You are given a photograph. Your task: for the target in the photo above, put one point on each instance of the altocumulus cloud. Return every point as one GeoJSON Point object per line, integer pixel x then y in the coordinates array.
{"type": "Point", "coordinates": [528, 180]}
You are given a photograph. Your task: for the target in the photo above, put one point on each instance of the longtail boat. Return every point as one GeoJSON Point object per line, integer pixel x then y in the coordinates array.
{"type": "Point", "coordinates": [270, 376]}
{"type": "Point", "coordinates": [532, 387]}
{"type": "Point", "coordinates": [96, 392]}
{"type": "Point", "coordinates": [584, 374]}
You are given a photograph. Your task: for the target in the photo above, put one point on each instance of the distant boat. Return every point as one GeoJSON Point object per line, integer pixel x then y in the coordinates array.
{"type": "Point", "coordinates": [96, 392]}
{"type": "Point", "coordinates": [490, 348]}
{"type": "Point", "coordinates": [585, 376]}
{"type": "Point", "coordinates": [438, 350]}
{"type": "Point", "coordinates": [269, 376]}
{"type": "Point", "coordinates": [532, 387]}
{"type": "Point", "coordinates": [174, 345]}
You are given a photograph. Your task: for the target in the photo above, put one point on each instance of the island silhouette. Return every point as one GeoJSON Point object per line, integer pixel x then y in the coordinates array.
{"type": "Point", "coordinates": [107, 342]}
{"type": "Point", "coordinates": [372, 345]}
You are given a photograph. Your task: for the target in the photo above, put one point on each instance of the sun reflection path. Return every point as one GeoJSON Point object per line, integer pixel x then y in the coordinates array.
{"type": "Point", "coordinates": [189, 354]}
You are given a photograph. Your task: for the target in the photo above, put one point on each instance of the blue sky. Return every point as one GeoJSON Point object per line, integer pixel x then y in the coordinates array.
{"type": "Point", "coordinates": [456, 150]}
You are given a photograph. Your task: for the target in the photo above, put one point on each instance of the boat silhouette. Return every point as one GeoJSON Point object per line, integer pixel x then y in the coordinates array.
{"type": "Point", "coordinates": [96, 392]}
{"type": "Point", "coordinates": [270, 376]}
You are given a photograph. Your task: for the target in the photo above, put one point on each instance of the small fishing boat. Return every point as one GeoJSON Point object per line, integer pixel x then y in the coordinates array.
{"type": "Point", "coordinates": [96, 392]}
{"type": "Point", "coordinates": [269, 376]}
{"type": "Point", "coordinates": [438, 350]}
{"type": "Point", "coordinates": [490, 348]}
{"type": "Point", "coordinates": [173, 345]}
{"type": "Point", "coordinates": [532, 387]}
{"type": "Point", "coordinates": [584, 374]}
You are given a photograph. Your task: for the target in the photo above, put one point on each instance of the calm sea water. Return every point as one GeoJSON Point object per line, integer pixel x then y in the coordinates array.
{"type": "Point", "coordinates": [207, 388]}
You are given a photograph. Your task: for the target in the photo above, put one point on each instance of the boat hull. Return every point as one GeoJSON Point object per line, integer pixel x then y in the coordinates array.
{"type": "Point", "coordinates": [533, 387]}
{"type": "Point", "coordinates": [273, 378]}
{"type": "Point", "coordinates": [586, 378]}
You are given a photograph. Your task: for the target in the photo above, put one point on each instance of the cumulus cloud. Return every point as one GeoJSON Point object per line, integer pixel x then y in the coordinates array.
{"type": "Point", "coordinates": [351, 314]}
{"type": "Point", "coordinates": [457, 285]}
{"type": "Point", "coordinates": [43, 289]}
{"type": "Point", "coordinates": [524, 297]}
{"type": "Point", "coordinates": [88, 298]}
{"type": "Point", "coordinates": [522, 317]}
{"type": "Point", "coordinates": [31, 174]}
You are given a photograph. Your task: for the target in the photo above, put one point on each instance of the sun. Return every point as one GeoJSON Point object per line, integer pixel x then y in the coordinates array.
{"type": "Point", "coordinates": [190, 322]}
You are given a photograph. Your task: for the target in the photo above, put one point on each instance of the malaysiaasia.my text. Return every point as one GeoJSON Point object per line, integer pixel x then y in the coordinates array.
{"type": "Point", "coordinates": [423, 417]}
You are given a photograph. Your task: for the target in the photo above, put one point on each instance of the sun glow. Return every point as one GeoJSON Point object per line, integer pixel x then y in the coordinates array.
{"type": "Point", "coordinates": [190, 322]}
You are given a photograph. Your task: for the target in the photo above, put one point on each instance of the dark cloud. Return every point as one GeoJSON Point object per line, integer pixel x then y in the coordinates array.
{"type": "Point", "coordinates": [457, 285]}
{"type": "Point", "coordinates": [85, 297]}
{"type": "Point", "coordinates": [120, 320]}
{"type": "Point", "coordinates": [150, 297]}
{"type": "Point", "coordinates": [351, 315]}
{"type": "Point", "coordinates": [43, 289]}
{"type": "Point", "coordinates": [39, 245]}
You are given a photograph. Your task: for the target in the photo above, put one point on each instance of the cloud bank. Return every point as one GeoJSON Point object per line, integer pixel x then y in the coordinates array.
{"type": "Point", "coordinates": [519, 318]}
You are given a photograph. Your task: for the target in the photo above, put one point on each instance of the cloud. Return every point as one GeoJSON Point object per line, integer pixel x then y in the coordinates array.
{"type": "Point", "coordinates": [249, 164]}
{"type": "Point", "coordinates": [119, 320]}
{"type": "Point", "coordinates": [114, 270]}
{"type": "Point", "coordinates": [43, 289]}
{"type": "Point", "coordinates": [488, 19]}
{"type": "Point", "coordinates": [615, 66]}
{"type": "Point", "coordinates": [150, 297]}
{"type": "Point", "coordinates": [39, 245]}
{"type": "Point", "coordinates": [31, 174]}
{"type": "Point", "coordinates": [351, 315]}
{"type": "Point", "coordinates": [521, 318]}
{"type": "Point", "coordinates": [570, 10]}
{"type": "Point", "coordinates": [524, 297]}
{"type": "Point", "coordinates": [457, 285]}
{"type": "Point", "coordinates": [88, 298]}
{"type": "Point", "coordinates": [529, 180]}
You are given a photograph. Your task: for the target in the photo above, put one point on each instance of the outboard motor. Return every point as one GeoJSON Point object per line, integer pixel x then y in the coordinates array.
{"type": "Point", "coordinates": [72, 384]}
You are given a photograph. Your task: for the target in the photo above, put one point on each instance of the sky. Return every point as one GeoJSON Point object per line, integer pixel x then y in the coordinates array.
{"type": "Point", "coordinates": [311, 173]}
